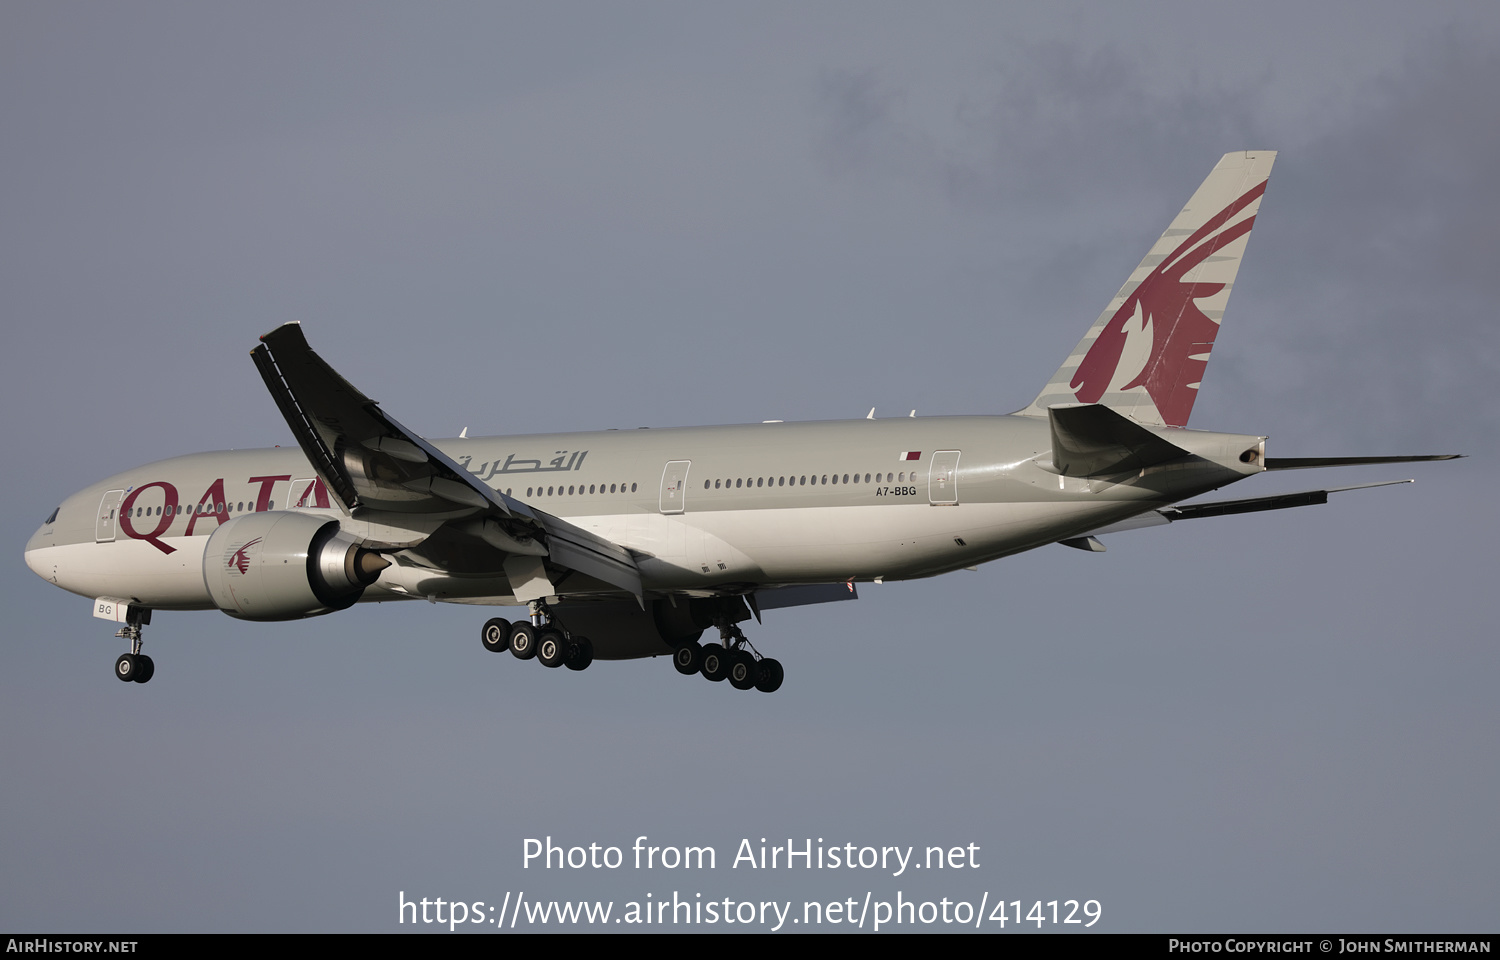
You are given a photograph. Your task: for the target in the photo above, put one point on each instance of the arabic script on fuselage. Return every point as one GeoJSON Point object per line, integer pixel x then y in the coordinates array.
{"type": "Point", "coordinates": [562, 462]}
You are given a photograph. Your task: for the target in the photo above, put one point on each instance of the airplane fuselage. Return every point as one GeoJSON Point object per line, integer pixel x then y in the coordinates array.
{"type": "Point", "coordinates": [633, 543]}
{"type": "Point", "coordinates": [705, 510]}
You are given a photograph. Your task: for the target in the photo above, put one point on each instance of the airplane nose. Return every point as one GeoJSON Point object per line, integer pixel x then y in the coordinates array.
{"type": "Point", "coordinates": [34, 555]}
{"type": "Point", "coordinates": [37, 557]}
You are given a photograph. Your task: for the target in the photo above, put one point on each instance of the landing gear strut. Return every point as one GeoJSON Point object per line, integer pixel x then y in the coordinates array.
{"type": "Point", "coordinates": [542, 637]}
{"type": "Point", "coordinates": [134, 667]}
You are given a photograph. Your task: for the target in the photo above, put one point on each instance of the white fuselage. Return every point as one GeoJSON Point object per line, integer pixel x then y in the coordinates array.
{"type": "Point", "coordinates": [705, 510]}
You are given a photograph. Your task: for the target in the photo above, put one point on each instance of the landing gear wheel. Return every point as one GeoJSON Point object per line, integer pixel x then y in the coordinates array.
{"type": "Point", "coordinates": [145, 668]}
{"type": "Point", "coordinates": [580, 654]}
{"type": "Point", "coordinates": [743, 670]}
{"type": "Point", "coordinates": [715, 662]}
{"type": "Point", "coordinates": [127, 667]}
{"type": "Point", "coordinates": [523, 641]}
{"type": "Point", "coordinates": [769, 676]}
{"type": "Point", "coordinates": [495, 635]}
{"type": "Point", "coordinates": [688, 658]}
{"type": "Point", "coordinates": [551, 648]}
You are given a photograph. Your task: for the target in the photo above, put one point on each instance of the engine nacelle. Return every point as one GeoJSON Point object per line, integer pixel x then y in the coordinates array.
{"type": "Point", "coordinates": [285, 566]}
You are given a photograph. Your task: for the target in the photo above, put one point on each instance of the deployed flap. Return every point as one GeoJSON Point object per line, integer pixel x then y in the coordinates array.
{"type": "Point", "coordinates": [381, 471]}
{"type": "Point", "coordinates": [590, 554]}
{"type": "Point", "coordinates": [1091, 440]}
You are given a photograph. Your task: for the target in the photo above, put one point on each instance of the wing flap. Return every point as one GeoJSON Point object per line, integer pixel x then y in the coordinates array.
{"type": "Point", "coordinates": [591, 555]}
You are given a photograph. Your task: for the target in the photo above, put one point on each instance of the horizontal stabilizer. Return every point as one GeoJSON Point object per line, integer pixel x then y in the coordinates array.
{"type": "Point", "coordinates": [1224, 508]}
{"type": "Point", "coordinates": [1303, 463]}
{"type": "Point", "coordinates": [1091, 440]}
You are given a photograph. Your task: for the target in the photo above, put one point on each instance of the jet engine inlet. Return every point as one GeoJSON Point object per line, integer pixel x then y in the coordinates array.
{"type": "Point", "coordinates": [284, 566]}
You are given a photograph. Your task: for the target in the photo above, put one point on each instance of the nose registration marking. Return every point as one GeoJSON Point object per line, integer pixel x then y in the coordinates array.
{"type": "Point", "coordinates": [111, 608]}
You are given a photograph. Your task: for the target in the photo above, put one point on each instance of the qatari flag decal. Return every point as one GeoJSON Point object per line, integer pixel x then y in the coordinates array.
{"type": "Point", "coordinates": [910, 455]}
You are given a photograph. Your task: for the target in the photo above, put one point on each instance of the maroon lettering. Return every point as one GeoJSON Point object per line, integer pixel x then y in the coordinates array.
{"type": "Point", "coordinates": [316, 495]}
{"type": "Point", "coordinates": [154, 537]}
{"type": "Point", "coordinates": [263, 499]}
{"type": "Point", "coordinates": [211, 504]}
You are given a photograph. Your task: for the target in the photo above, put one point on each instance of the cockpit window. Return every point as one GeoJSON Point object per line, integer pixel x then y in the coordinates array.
{"type": "Point", "coordinates": [52, 516]}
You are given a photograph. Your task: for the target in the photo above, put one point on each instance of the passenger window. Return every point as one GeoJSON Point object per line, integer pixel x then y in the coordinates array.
{"type": "Point", "coordinates": [632, 488]}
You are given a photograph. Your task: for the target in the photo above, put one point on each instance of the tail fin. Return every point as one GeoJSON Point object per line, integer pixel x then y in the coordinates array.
{"type": "Point", "coordinates": [1145, 355]}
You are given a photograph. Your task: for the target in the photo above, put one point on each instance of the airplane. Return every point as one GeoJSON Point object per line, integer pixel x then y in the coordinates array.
{"type": "Point", "coordinates": [633, 543]}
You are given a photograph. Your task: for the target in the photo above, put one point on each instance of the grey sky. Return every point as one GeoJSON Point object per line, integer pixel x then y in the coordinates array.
{"type": "Point", "coordinates": [528, 218]}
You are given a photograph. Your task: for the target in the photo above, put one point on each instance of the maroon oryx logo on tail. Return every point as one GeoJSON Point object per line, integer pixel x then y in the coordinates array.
{"type": "Point", "coordinates": [240, 559]}
{"type": "Point", "coordinates": [1181, 335]}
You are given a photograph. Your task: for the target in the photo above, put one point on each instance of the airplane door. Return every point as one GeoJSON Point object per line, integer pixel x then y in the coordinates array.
{"type": "Point", "coordinates": [942, 480]}
{"type": "Point", "coordinates": [104, 525]}
{"type": "Point", "coordinates": [674, 486]}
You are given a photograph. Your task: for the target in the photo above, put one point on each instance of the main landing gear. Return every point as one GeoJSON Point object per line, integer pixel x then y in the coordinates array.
{"type": "Point", "coordinates": [543, 638]}
{"type": "Point", "coordinates": [134, 667]}
{"type": "Point", "coordinates": [733, 659]}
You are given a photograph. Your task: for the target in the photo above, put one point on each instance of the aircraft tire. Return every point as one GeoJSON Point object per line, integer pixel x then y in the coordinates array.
{"type": "Point", "coordinates": [126, 667]}
{"type": "Point", "coordinates": [495, 635]}
{"type": "Point", "coordinates": [769, 676]}
{"type": "Point", "coordinates": [523, 641]}
{"type": "Point", "coordinates": [580, 654]}
{"type": "Point", "coordinates": [551, 648]}
{"type": "Point", "coordinates": [145, 668]}
{"type": "Point", "coordinates": [688, 658]}
{"type": "Point", "coordinates": [743, 670]}
{"type": "Point", "coordinates": [715, 662]}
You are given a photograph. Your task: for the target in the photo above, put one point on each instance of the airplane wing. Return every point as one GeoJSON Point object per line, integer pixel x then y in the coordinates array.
{"type": "Point", "coordinates": [382, 472]}
{"type": "Point", "coordinates": [1216, 508]}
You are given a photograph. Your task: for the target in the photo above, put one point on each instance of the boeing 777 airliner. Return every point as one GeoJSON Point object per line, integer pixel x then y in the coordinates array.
{"type": "Point", "coordinates": [633, 543]}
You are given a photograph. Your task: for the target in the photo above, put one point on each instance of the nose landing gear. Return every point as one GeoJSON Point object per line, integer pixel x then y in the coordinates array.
{"type": "Point", "coordinates": [134, 667]}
